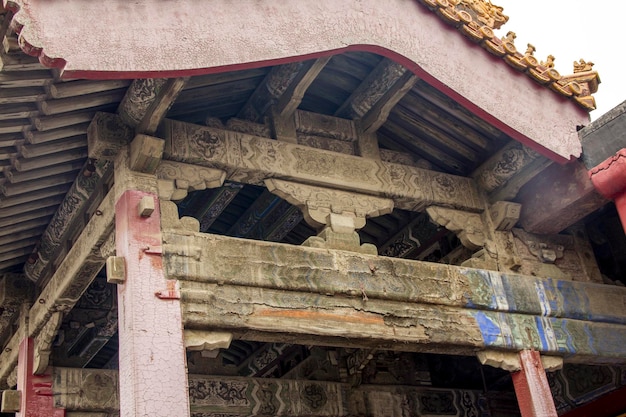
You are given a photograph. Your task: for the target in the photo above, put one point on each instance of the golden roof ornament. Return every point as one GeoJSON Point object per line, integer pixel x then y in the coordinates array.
{"type": "Point", "coordinates": [483, 11]}
{"type": "Point", "coordinates": [581, 65]}
{"type": "Point", "coordinates": [477, 20]}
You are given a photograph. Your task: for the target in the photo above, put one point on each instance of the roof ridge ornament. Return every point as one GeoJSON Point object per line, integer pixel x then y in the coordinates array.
{"type": "Point", "coordinates": [477, 20]}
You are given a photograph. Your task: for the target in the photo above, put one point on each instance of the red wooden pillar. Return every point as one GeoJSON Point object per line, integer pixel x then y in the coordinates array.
{"type": "Point", "coordinates": [36, 390]}
{"type": "Point", "coordinates": [152, 361]}
{"type": "Point", "coordinates": [609, 178]}
{"type": "Point", "coordinates": [531, 387]}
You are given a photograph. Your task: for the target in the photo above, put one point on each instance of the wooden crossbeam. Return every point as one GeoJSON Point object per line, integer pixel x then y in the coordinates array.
{"type": "Point", "coordinates": [380, 91]}
{"type": "Point", "coordinates": [72, 277]}
{"type": "Point", "coordinates": [163, 101]}
{"type": "Point", "coordinates": [289, 101]}
{"type": "Point", "coordinates": [246, 158]}
{"type": "Point", "coordinates": [93, 390]}
{"type": "Point", "coordinates": [285, 293]}
{"type": "Point", "coordinates": [249, 219]}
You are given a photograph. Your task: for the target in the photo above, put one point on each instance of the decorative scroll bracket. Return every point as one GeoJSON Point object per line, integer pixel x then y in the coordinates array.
{"type": "Point", "coordinates": [176, 179]}
{"type": "Point", "coordinates": [343, 211]}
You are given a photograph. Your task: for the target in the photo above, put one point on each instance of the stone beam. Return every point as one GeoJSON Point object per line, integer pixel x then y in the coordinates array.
{"type": "Point", "coordinates": [73, 276]}
{"type": "Point", "coordinates": [96, 391]}
{"type": "Point", "coordinates": [558, 198]}
{"type": "Point", "coordinates": [251, 159]}
{"type": "Point", "coordinates": [287, 293]}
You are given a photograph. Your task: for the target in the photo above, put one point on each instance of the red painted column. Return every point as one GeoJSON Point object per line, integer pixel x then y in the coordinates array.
{"type": "Point", "coordinates": [152, 361]}
{"type": "Point", "coordinates": [531, 387]}
{"type": "Point", "coordinates": [609, 178]}
{"type": "Point", "coordinates": [37, 399]}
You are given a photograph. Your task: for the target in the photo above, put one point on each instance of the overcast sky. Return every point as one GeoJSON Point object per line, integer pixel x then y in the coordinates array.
{"type": "Point", "coordinates": [574, 29]}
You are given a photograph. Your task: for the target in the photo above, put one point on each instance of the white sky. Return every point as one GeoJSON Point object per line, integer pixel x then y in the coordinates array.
{"type": "Point", "coordinates": [574, 29]}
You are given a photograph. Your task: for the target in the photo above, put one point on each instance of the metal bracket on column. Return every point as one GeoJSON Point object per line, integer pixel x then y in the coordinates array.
{"type": "Point", "coordinates": [153, 250]}
{"type": "Point", "coordinates": [172, 292]}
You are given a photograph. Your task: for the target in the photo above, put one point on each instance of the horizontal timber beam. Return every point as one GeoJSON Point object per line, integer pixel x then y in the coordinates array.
{"type": "Point", "coordinates": [251, 159]}
{"type": "Point", "coordinates": [80, 266]}
{"type": "Point", "coordinates": [91, 390]}
{"type": "Point", "coordinates": [353, 299]}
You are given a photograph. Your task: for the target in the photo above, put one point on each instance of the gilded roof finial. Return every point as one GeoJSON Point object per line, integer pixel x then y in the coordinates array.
{"type": "Point", "coordinates": [510, 37]}
{"type": "Point", "coordinates": [549, 62]}
{"type": "Point", "coordinates": [530, 50]}
{"type": "Point", "coordinates": [582, 65]}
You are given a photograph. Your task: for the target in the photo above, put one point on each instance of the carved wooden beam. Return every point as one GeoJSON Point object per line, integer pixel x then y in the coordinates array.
{"type": "Point", "coordinates": [265, 203]}
{"type": "Point", "coordinates": [283, 87]}
{"type": "Point", "coordinates": [72, 277]}
{"type": "Point", "coordinates": [504, 165]}
{"type": "Point", "coordinates": [387, 303]}
{"type": "Point", "coordinates": [141, 94]}
{"type": "Point", "coordinates": [14, 291]}
{"type": "Point", "coordinates": [414, 239]}
{"type": "Point", "coordinates": [374, 98]}
{"type": "Point", "coordinates": [96, 391]}
{"type": "Point", "coordinates": [250, 159]}
{"type": "Point", "coordinates": [217, 203]}
{"type": "Point", "coordinates": [291, 98]}
{"type": "Point", "coordinates": [71, 210]}
{"type": "Point", "coordinates": [162, 102]}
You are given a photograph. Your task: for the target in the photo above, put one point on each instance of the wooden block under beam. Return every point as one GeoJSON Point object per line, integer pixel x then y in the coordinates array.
{"type": "Point", "coordinates": [11, 401]}
{"type": "Point", "coordinates": [146, 153]}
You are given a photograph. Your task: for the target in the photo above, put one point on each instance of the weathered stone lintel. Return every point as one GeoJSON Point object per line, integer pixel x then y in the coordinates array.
{"type": "Point", "coordinates": [250, 159]}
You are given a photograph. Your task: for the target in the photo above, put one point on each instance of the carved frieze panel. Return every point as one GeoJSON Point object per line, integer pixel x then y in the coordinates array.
{"type": "Point", "coordinates": [576, 384]}
{"type": "Point", "coordinates": [325, 126]}
{"type": "Point", "coordinates": [251, 128]}
{"type": "Point", "coordinates": [328, 144]}
{"type": "Point", "coordinates": [558, 256]}
{"type": "Point", "coordinates": [251, 159]}
{"type": "Point", "coordinates": [98, 389]}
